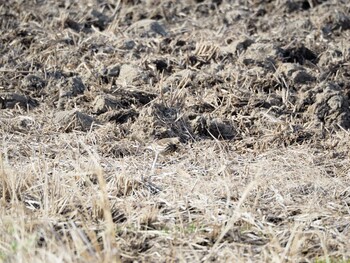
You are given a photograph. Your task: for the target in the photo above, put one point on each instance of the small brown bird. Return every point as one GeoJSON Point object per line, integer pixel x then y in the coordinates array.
{"type": "Point", "coordinates": [164, 147]}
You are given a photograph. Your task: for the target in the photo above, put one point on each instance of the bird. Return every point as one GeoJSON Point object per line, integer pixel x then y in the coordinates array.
{"type": "Point", "coordinates": [163, 146]}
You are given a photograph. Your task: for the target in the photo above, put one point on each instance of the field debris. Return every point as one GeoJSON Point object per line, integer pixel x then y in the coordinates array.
{"type": "Point", "coordinates": [256, 93]}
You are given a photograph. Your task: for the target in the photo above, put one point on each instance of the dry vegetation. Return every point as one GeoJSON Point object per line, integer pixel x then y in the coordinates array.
{"type": "Point", "coordinates": [257, 91]}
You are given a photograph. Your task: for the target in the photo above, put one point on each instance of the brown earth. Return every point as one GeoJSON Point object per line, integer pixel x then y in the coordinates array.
{"type": "Point", "coordinates": [257, 91]}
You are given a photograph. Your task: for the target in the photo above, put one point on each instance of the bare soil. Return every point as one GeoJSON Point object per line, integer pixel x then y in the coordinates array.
{"type": "Point", "coordinates": [258, 92]}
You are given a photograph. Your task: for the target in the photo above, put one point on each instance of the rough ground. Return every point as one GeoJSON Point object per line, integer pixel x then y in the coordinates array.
{"type": "Point", "coordinates": [257, 91]}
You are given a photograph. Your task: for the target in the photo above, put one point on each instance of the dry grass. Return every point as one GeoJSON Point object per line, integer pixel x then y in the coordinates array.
{"type": "Point", "coordinates": [282, 205]}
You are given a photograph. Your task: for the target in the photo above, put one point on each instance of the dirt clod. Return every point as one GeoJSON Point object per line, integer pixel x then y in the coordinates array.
{"type": "Point", "coordinates": [11, 100]}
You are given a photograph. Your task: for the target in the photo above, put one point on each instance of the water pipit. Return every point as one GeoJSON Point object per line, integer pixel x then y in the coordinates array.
{"type": "Point", "coordinates": [164, 147]}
